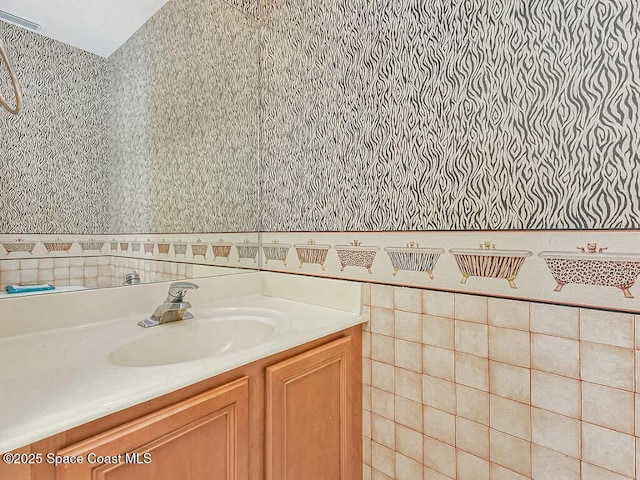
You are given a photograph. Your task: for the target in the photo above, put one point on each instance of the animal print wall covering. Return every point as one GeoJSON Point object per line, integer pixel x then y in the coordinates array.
{"type": "Point", "coordinates": [451, 114]}
{"type": "Point", "coordinates": [53, 173]}
{"type": "Point", "coordinates": [161, 137]}
{"type": "Point", "coordinates": [250, 8]}
{"type": "Point", "coordinates": [184, 103]}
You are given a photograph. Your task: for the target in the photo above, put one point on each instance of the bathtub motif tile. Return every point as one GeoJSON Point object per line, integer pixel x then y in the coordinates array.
{"type": "Point", "coordinates": [179, 247]}
{"type": "Point", "coordinates": [99, 261]}
{"type": "Point", "coordinates": [414, 258]}
{"type": "Point", "coordinates": [276, 251]}
{"type": "Point", "coordinates": [312, 253]}
{"type": "Point", "coordinates": [18, 246]}
{"type": "Point", "coordinates": [591, 265]}
{"type": "Point", "coordinates": [356, 255]}
{"type": "Point", "coordinates": [163, 247]}
{"type": "Point", "coordinates": [488, 261]}
{"type": "Point", "coordinates": [199, 249]}
{"type": "Point", "coordinates": [247, 250]}
{"type": "Point", "coordinates": [92, 245]}
{"type": "Point", "coordinates": [510, 265]}
{"type": "Point", "coordinates": [57, 246]}
{"type": "Point", "coordinates": [149, 247]}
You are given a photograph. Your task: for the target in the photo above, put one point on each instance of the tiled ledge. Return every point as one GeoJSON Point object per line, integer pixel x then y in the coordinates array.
{"type": "Point", "coordinates": [522, 265]}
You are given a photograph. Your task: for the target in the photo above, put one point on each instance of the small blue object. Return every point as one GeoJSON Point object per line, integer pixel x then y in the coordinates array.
{"type": "Point", "coordinates": [28, 288]}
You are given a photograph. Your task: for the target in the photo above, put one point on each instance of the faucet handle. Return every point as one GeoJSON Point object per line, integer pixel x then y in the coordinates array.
{"type": "Point", "coordinates": [177, 291]}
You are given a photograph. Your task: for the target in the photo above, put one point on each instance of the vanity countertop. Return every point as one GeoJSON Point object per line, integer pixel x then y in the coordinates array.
{"type": "Point", "coordinates": [58, 379]}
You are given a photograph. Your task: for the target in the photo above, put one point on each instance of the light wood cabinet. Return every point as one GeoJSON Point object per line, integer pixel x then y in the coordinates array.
{"type": "Point", "coordinates": [294, 415]}
{"type": "Point", "coordinates": [309, 431]}
{"type": "Point", "coordinates": [204, 437]}
{"type": "Point", "coordinates": [17, 470]}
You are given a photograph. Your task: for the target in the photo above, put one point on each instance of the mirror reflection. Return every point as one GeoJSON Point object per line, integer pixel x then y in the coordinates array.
{"type": "Point", "coordinates": [144, 163]}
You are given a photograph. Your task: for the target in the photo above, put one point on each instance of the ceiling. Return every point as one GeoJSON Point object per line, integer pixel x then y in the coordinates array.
{"type": "Point", "coordinates": [97, 26]}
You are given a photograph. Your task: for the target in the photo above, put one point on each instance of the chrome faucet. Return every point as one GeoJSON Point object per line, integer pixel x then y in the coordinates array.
{"type": "Point", "coordinates": [174, 307]}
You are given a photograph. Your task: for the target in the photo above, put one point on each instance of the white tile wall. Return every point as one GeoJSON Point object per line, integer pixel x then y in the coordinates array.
{"type": "Point", "coordinates": [507, 390]}
{"type": "Point", "coordinates": [89, 272]}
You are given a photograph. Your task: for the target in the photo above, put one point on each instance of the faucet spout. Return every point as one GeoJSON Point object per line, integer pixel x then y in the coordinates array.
{"type": "Point", "coordinates": [177, 291]}
{"type": "Point", "coordinates": [174, 308]}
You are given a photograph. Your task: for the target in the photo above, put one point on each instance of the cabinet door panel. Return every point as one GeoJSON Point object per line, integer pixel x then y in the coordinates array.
{"type": "Point", "coordinates": [309, 409]}
{"type": "Point", "coordinates": [204, 437]}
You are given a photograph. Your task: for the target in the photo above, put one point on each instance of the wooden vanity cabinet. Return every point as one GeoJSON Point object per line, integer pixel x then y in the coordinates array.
{"type": "Point", "coordinates": [310, 407]}
{"type": "Point", "coordinates": [203, 437]}
{"type": "Point", "coordinates": [294, 415]}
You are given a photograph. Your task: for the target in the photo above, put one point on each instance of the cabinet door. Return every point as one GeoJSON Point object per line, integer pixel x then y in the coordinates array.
{"type": "Point", "coordinates": [310, 404]}
{"type": "Point", "coordinates": [204, 437]}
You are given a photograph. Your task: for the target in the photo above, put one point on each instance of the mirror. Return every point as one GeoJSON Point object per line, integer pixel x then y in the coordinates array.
{"type": "Point", "coordinates": [145, 161]}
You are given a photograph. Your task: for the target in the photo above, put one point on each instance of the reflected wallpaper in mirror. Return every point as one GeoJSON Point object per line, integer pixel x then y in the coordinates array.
{"type": "Point", "coordinates": [145, 161]}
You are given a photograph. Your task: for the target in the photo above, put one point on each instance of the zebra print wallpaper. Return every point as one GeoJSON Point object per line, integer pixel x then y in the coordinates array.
{"type": "Point", "coordinates": [184, 115]}
{"type": "Point", "coordinates": [162, 137]}
{"type": "Point", "coordinates": [451, 115]}
{"type": "Point", "coordinates": [52, 163]}
{"type": "Point", "coordinates": [251, 8]}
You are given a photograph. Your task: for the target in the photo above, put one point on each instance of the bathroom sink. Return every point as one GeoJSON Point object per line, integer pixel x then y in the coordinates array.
{"type": "Point", "coordinates": [216, 332]}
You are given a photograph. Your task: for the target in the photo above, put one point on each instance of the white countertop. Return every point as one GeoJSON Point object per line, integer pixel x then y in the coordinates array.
{"type": "Point", "coordinates": [54, 380]}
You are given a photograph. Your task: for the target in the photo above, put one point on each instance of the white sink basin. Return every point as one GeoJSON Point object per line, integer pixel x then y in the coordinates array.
{"type": "Point", "coordinates": [209, 333]}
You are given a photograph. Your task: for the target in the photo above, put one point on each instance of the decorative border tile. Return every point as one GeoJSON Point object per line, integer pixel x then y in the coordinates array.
{"type": "Point", "coordinates": [593, 268]}
{"type": "Point", "coordinates": [241, 249]}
